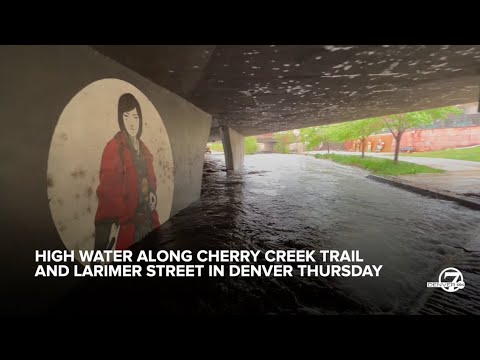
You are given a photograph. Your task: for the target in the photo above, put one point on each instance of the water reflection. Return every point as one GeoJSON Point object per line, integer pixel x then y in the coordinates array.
{"type": "Point", "coordinates": [289, 201]}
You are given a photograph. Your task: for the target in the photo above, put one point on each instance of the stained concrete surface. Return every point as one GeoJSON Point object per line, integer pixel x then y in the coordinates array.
{"type": "Point", "coordinates": [37, 83]}
{"type": "Point", "coordinates": [258, 89]}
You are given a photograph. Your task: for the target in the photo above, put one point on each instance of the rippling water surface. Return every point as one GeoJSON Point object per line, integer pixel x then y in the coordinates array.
{"type": "Point", "coordinates": [289, 201]}
{"type": "Point", "coordinates": [298, 202]}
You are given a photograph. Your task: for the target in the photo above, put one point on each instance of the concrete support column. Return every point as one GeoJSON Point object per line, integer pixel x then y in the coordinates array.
{"type": "Point", "coordinates": [233, 147]}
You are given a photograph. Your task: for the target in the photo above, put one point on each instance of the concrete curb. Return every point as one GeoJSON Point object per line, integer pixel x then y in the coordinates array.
{"type": "Point", "coordinates": [437, 194]}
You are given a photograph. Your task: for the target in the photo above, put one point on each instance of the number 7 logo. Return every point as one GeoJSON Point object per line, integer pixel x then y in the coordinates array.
{"type": "Point", "coordinates": [455, 275]}
{"type": "Point", "coordinates": [454, 285]}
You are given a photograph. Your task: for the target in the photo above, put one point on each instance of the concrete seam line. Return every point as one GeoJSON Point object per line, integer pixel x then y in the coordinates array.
{"type": "Point", "coordinates": [426, 192]}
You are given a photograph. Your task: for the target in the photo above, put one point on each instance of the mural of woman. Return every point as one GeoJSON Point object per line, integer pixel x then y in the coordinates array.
{"type": "Point", "coordinates": [127, 191]}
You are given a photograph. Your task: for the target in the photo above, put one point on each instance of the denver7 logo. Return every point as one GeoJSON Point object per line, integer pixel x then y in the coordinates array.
{"type": "Point", "coordinates": [457, 279]}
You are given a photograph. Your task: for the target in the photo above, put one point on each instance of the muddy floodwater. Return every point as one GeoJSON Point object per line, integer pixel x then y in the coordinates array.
{"type": "Point", "coordinates": [283, 202]}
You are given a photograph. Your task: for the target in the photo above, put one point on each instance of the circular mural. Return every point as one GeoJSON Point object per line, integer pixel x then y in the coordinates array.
{"type": "Point", "coordinates": [110, 168]}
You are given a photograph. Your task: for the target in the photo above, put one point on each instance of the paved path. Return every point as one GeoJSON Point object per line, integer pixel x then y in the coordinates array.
{"type": "Point", "coordinates": [461, 176]}
{"type": "Point", "coordinates": [444, 164]}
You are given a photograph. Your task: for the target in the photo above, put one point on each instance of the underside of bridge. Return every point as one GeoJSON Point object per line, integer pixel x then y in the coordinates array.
{"type": "Point", "coordinates": [73, 170]}
{"type": "Point", "coordinates": [262, 89]}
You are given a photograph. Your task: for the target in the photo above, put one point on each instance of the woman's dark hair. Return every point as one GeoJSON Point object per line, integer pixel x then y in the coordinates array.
{"type": "Point", "coordinates": [127, 102]}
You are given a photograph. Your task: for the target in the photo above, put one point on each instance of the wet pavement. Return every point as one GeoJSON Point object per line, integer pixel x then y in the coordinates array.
{"type": "Point", "coordinates": [443, 164]}
{"type": "Point", "coordinates": [460, 177]}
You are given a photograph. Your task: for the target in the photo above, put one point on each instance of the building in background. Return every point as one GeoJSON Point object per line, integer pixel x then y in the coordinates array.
{"type": "Point", "coordinates": [456, 131]}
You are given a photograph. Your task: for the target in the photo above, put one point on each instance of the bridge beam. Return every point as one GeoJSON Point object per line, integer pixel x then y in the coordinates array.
{"type": "Point", "coordinates": [233, 147]}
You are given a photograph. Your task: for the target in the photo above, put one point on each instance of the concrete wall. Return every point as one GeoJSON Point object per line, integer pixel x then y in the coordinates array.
{"type": "Point", "coordinates": [296, 147]}
{"type": "Point", "coordinates": [425, 139]}
{"type": "Point", "coordinates": [471, 108]}
{"type": "Point", "coordinates": [372, 141]}
{"type": "Point", "coordinates": [439, 139]}
{"type": "Point", "coordinates": [37, 84]}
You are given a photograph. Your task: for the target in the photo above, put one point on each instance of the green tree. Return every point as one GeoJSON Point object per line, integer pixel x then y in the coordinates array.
{"type": "Point", "coordinates": [360, 130]}
{"type": "Point", "coordinates": [352, 130]}
{"type": "Point", "coordinates": [313, 136]}
{"type": "Point", "coordinates": [250, 145]}
{"type": "Point", "coordinates": [215, 146]}
{"type": "Point", "coordinates": [284, 139]}
{"type": "Point", "coordinates": [399, 123]}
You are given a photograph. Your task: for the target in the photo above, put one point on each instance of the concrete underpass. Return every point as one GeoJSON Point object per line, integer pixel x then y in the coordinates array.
{"type": "Point", "coordinates": [68, 111]}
